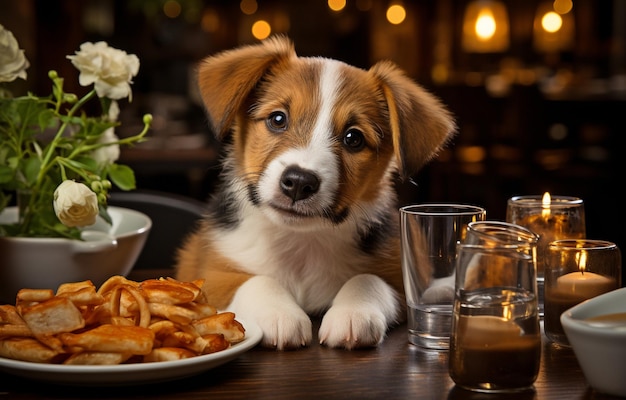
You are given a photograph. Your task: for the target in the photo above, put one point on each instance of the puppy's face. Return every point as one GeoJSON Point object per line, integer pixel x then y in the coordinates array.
{"type": "Point", "coordinates": [313, 140]}
{"type": "Point", "coordinates": [314, 143]}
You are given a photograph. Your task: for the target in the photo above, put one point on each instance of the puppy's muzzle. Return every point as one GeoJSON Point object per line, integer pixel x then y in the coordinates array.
{"type": "Point", "coordinates": [298, 183]}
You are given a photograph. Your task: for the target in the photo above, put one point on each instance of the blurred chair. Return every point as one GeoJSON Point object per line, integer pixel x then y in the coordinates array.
{"type": "Point", "coordinates": [173, 217]}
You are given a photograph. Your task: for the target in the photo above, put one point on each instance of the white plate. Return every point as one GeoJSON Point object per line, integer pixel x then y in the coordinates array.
{"type": "Point", "coordinates": [131, 374]}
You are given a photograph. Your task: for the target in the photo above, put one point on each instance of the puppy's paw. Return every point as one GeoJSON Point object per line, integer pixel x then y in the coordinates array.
{"type": "Point", "coordinates": [264, 301]}
{"type": "Point", "coordinates": [285, 328]}
{"type": "Point", "coordinates": [351, 328]}
{"type": "Point", "coordinates": [361, 313]}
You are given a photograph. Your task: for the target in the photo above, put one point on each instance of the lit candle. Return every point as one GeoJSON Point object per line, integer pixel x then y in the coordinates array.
{"type": "Point", "coordinates": [550, 225]}
{"type": "Point", "coordinates": [580, 285]}
{"type": "Point", "coordinates": [569, 281]}
{"type": "Point", "coordinates": [571, 289]}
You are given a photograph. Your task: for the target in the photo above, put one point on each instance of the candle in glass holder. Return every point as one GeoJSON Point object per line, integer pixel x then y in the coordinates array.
{"type": "Point", "coordinates": [569, 280]}
{"type": "Point", "coordinates": [579, 286]}
{"type": "Point", "coordinates": [551, 218]}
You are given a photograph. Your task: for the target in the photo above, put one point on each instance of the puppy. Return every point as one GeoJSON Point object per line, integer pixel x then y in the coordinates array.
{"type": "Point", "coordinates": [305, 220]}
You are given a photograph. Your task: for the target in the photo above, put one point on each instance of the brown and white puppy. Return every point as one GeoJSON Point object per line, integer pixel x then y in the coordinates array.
{"type": "Point", "coordinates": [305, 221]}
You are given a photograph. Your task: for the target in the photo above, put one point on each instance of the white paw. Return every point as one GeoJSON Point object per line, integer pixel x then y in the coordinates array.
{"type": "Point", "coordinates": [351, 328]}
{"type": "Point", "coordinates": [284, 329]}
{"type": "Point", "coordinates": [362, 311]}
{"type": "Point", "coordinates": [283, 323]}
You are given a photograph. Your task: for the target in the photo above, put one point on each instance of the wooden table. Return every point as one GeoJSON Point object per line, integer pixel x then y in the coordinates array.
{"type": "Point", "coordinates": [394, 370]}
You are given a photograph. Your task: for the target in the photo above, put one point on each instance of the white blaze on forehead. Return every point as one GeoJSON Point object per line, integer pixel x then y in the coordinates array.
{"type": "Point", "coordinates": [318, 152]}
{"type": "Point", "coordinates": [318, 155]}
{"type": "Point", "coordinates": [328, 86]}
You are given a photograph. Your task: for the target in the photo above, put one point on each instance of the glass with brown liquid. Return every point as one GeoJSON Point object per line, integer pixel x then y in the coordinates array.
{"type": "Point", "coordinates": [495, 344]}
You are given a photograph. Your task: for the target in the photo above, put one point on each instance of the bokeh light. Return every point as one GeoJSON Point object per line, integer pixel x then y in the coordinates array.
{"type": "Point", "coordinates": [336, 5]}
{"type": "Point", "coordinates": [551, 22]}
{"type": "Point", "coordinates": [248, 7]}
{"type": "Point", "coordinates": [485, 25]}
{"type": "Point", "coordinates": [172, 8]}
{"type": "Point", "coordinates": [261, 29]}
{"type": "Point", "coordinates": [563, 6]}
{"type": "Point", "coordinates": [396, 14]}
{"type": "Point", "coordinates": [210, 21]}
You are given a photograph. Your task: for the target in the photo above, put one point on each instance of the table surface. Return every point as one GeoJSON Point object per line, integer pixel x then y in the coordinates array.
{"type": "Point", "coordinates": [395, 369]}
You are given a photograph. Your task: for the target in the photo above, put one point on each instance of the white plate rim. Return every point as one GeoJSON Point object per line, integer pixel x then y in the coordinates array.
{"type": "Point", "coordinates": [139, 373]}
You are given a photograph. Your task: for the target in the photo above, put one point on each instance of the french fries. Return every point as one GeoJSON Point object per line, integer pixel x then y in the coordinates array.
{"type": "Point", "coordinates": [123, 321]}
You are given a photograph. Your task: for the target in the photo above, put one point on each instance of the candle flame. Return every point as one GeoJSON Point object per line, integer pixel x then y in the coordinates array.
{"type": "Point", "coordinates": [581, 260]}
{"type": "Point", "coordinates": [545, 204]}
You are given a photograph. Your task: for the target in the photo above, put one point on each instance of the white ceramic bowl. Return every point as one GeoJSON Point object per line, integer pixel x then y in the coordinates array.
{"type": "Point", "coordinates": [599, 347]}
{"type": "Point", "coordinates": [106, 250]}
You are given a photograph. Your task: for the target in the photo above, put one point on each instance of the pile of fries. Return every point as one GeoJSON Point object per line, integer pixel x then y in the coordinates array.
{"type": "Point", "coordinates": [123, 321]}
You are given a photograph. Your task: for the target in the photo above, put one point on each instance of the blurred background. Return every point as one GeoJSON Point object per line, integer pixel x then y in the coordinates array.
{"type": "Point", "coordinates": [538, 87]}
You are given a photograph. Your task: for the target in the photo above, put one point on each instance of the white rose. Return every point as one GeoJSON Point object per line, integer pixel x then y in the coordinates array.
{"type": "Point", "coordinates": [75, 204]}
{"type": "Point", "coordinates": [108, 154]}
{"type": "Point", "coordinates": [13, 63]}
{"type": "Point", "coordinates": [110, 69]}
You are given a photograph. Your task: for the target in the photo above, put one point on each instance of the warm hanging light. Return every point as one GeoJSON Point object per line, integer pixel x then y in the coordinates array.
{"type": "Point", "coordinates": [396, 13]}
{"type": "Point", "coordinates": [553, 29]}
{"type": "Point", "coordinates": [485, 27]}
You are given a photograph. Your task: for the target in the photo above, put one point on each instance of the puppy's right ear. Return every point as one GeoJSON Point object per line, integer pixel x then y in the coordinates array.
{"type": "Point", "coordinates": [226, 79]}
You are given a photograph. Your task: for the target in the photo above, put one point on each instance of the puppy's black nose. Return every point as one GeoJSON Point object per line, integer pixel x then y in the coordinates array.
{"type": "Point", "coordinates": [298, 183]}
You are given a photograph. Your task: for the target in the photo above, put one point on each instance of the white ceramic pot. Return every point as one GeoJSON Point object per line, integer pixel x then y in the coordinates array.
{"type": "Point", "coordinates": [105, 250]}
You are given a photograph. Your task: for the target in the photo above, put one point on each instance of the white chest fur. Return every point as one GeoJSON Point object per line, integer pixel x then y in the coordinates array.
{"type": "Point", "coordinates": [312, 266]}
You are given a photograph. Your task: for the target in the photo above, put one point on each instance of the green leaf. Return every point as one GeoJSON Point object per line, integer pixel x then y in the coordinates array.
{"type": "Point", "coordinates": [28, 113]}
{"type": "Point", "coordinates": [12, 162]}
{"type": "Point", "coordinates": [122, 176]}
{"type": "Point", "coordinates": [77, 164]}
{"type": "Point", "coordinates": [6, 174]}
{"type": "Point", "coordinates": [88, 163]}
{"type": "Point", "coordinates": [46, 119]}
{"type": "Point", "coordinates": [96, 128]}
{"type": "Point", "coordinates": [31, 169]}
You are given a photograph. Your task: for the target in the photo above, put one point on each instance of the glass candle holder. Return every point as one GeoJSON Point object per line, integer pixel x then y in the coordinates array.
{"type": "Point", "coordinates": [577, 270]}
{"type": "Point", "coordinates": [552, 218]}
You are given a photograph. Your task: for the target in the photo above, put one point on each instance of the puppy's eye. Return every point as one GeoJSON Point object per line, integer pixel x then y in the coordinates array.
{"type": "Point", "coordinates": [353, 139]}
{"type": "Point", "coordinates": [277, 121]}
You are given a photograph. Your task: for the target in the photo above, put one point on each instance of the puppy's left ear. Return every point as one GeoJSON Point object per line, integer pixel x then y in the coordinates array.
{"type": "Point", "coordinates": [226, 79]}
{"type": "Point", "coordinates": [420, 124]}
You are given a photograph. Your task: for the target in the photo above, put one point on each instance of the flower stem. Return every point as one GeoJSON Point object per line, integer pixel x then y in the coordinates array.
{"type": "Point", "coordinates": [50, 150]}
